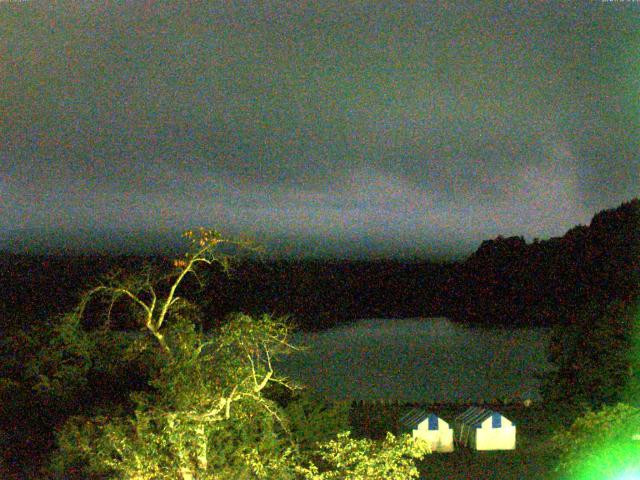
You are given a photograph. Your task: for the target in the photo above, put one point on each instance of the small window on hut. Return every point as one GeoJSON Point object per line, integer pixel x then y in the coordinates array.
{"type": "Point", "coordinates": [496, 421]}
{"type": "Point", "coordinates": [433, 422]}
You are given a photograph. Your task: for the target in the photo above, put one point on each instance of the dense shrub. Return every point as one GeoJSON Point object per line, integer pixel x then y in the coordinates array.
{"type": "Point", "coordinates": [602, 444]}
{"type": "Point", "coordinates": [365, 459]}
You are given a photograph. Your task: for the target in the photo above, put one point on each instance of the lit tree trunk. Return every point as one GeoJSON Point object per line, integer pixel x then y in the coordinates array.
{"type": "Point", "coordinates": [202, 448]}
{"type": "Point", "coordinates": [186, 473]}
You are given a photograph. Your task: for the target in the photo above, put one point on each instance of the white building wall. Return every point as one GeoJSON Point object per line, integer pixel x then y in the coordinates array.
{"type": "Point", "coordinates": [496, 438]}
{"type": "Point", "coordinates": [486, 437]}
{"type": "Point", "coordinates": [440, 440]}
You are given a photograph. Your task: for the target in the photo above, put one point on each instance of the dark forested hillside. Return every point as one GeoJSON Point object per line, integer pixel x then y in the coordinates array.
{"type": "Point", "coordinates": [315, 293]}
{"type": "Point", "coordinates": [507, 281]}
{"type": "Point", "coordinates": [35, 287]}
{"type": "Point", "coordinates": [319, 294]}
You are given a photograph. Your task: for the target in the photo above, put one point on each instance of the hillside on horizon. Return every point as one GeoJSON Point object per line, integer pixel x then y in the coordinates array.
{"type": "Point", "coordinates": [506, 281]}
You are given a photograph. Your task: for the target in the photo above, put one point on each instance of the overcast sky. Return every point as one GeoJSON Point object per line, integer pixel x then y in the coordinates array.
{"type": "Point", "coordinates": [324, 127]}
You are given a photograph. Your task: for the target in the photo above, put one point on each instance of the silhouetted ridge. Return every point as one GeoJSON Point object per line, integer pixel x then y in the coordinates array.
{"type": "Point", "coordinates": [509, 282]}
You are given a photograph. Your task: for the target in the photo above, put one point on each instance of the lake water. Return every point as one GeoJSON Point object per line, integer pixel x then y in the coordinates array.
{"type": "Point", "coordinates": [421, 360]}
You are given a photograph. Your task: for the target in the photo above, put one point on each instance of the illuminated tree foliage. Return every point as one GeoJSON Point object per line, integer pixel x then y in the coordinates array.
{"type": "Point", "coordinates": [205, 412]}
{"type": "Point", "coordinates": [603, 445]}
{"type": "Point", "coordinates": [364, 459]}
{"type": "Point", "coordinates": [207, 409]}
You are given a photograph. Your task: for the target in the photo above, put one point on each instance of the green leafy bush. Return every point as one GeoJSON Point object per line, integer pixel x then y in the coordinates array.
{"type": "Point", "coordinates": [600, 444]}
{"type": "Point", "coordinates": [312, 421]}
{"type": "Point", "coordinates": [365, 459]}
{"type": "Point", "coordinates": [205, 413]}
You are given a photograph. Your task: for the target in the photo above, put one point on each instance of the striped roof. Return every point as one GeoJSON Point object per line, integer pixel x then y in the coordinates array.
{"type": "Point", "coordinates": [416, 416]}
{"type": "Point", "coordinates": [474, 416]}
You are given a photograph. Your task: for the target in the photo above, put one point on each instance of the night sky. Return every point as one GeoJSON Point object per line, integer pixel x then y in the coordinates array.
{"type": "Point", "coordinates": [320, 128]}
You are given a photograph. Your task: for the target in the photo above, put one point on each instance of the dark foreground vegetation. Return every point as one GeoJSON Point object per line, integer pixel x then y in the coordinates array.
{"type": "Point", "coordinates": [192, 394]}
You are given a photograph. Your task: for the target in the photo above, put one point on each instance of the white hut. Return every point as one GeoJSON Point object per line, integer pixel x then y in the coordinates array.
{"type": "Point", "coordinates": [429, 427]}
{"type": "Point", "coordinates": [484, 429]}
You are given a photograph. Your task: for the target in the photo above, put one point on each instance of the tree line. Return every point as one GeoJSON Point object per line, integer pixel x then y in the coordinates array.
{"type": "Point", "coordinates": [505, 282]}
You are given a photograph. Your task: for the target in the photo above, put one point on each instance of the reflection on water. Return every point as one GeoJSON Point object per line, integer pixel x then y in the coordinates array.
{"type": "Point", "coordinates": [430, 360]}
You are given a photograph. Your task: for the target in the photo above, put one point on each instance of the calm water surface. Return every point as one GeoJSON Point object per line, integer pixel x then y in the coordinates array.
{"type": "Point", "coordinates": [428, 360]}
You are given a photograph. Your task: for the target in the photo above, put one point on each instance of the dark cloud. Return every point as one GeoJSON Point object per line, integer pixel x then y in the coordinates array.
{"type": "Point", "coordinates": [406, 126]}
